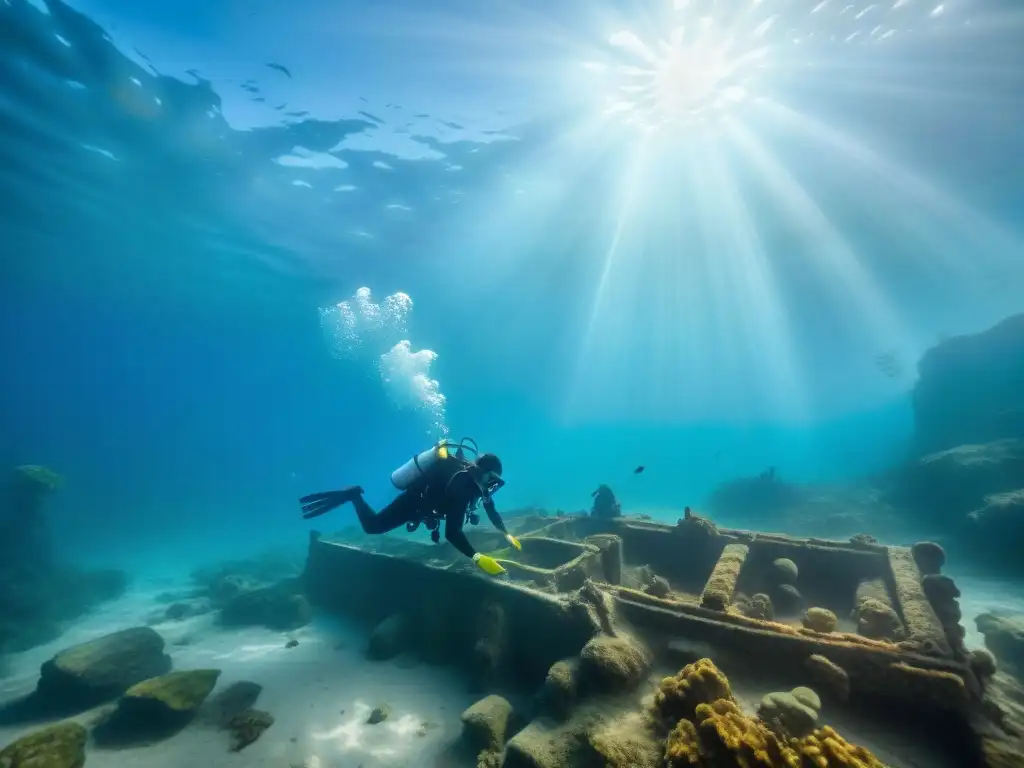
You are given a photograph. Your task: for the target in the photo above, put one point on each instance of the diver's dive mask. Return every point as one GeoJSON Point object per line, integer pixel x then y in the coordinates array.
{"type": "Point", "coordinates": [489, 483]}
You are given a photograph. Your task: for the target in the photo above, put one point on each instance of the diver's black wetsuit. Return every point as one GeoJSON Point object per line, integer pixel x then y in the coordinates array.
{"type": "Point", "coordinates": [443, 490]}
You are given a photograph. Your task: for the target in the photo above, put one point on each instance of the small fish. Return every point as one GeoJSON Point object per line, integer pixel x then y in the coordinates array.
{"type": "Point", "coordinates": [280, 68]}
{"type": "Point", "coordinates": [638, 470]}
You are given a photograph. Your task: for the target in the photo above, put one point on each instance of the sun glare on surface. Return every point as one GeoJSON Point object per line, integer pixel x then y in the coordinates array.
{"type": "Point", "coordinates": [698, 69]}
{"type": "Point", "coordinates": [754, 192]}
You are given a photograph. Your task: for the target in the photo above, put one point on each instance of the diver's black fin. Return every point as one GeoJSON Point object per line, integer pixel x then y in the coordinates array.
{"type": "Point", "coordinates": [316, 504]}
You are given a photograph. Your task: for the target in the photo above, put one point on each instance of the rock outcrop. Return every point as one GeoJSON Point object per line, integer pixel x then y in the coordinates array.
{"type": "Point", "coordinates": [91, 673]}
{"type": "Point", "coordinates": [157, 708]}
{"type": "Point", "coordinates": [39, 594]}
{"type": "Point", "coordinates": [973, 495]}
{"type": "Point", "coordinates": [57, 746]}
{"type": "Point", "coordinates": [970, 389]}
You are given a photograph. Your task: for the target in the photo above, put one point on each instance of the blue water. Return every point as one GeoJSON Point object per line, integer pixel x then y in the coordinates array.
{"type": "Point", "coordinates": [706, 302]}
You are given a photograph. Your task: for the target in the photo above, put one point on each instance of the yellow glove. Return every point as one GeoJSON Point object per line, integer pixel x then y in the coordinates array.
{"type": "Point", "coordinates": [488, 564]}
{"type": "Point", "coordinates": [513, 541]}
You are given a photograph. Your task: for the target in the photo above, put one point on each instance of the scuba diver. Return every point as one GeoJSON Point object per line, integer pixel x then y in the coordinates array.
{"type": "Point", "coordinates": [437, 484]}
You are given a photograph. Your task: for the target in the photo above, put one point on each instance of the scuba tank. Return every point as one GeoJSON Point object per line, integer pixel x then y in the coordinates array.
{"type": "Point", "coordinates": [416, 467]}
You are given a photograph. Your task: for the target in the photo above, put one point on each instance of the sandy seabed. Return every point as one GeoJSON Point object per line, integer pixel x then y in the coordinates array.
{"type": "Point", "coordinates": [319, 692]}
{"type": "Point", "coordinates": [322, 691]}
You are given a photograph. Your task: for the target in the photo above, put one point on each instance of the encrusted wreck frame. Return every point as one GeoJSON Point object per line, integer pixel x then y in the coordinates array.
{"type": "Point", "coordinates": [706, 567]}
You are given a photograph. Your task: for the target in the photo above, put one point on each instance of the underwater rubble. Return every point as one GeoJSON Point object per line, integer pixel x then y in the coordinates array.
{"type": "Point", "coordinates": [833, 626]}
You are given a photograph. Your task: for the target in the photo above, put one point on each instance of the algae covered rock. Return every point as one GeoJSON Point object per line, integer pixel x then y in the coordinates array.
{"type": "Point", "coordinates": [159, 707]}
{"type": "Point", "coordinates": [102, 669]}
{"type": "Point", "coordinates": [548, 744]}
{"type": "Point", "coordinates": [613, 664]}
{"type": "Point", "coordinates": [561, 687]}
{"type": "Point", "coordinates": [820, 620]}
{"type": "Point", "coordinates": [379, 714]}
{"type": "Point", "coordinates": [183, 691]}
{"type": "Point", "coordinates": [57, 746]}
{"type": "Point", "coordinates": [485, 725]}
{"type": "Point", "coordinates": [247, 726]}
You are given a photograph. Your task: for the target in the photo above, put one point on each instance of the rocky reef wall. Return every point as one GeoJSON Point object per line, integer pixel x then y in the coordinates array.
{"type": "Point", "coordinates": [970, 389]}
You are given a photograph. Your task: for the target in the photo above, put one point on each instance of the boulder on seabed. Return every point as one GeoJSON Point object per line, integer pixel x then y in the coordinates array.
{"type": "Point", "coordinates": [157, 708]}
{"type": "Point", "coordinates": [56, 746]}
{"type": "Point", "coordinates": [99, 670]}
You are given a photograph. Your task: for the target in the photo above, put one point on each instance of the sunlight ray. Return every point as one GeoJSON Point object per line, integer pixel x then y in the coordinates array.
{"type": "Point", "coordinates": [834, 258]}
{"type": "Point", "coordinates": [756, 289]}
{"type": "Point", "coordinates": [629, 196]}
{"type": "Point", "coordinates": [631, 188]}
{"type": "Point", "coordinates": [907, 186]}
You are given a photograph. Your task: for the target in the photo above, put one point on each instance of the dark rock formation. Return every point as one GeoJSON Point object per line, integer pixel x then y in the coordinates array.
{"type": "Point", "coordinates": [944, 487]}
{"type": "Point", "coordinates": [605, 505]}
{"type": "Point", "coordinates": [983, 375]}
{"type": "Point", "coordinates": [764, 494]}
{"type": "Point", "coordinates": [1004, 637]}
{"type": "Point", "coordinates": [38, 593]}
{"type": "Point", "coordinates": [264, 591]}
{"type": "Point", "coordinates": [280, 606]}
{"type": "Point", "coordinates": [972, 493]}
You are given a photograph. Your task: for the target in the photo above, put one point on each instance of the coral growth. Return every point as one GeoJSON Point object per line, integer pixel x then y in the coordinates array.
{"type": "Point", "coordinates": [718, 733]}
{"type": "Point", "coordinates": [695, 525]}
{"type": "Point", "coordinates": [792, 714]}
{"type": "Point", "coordinates": [827, 749]}
{"type": "Point", "coordinates": [678, 697]}
{"type": "Point", "coordinates": [757, 607]}
{"type": "Point", "coordinates": [878, 621]}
